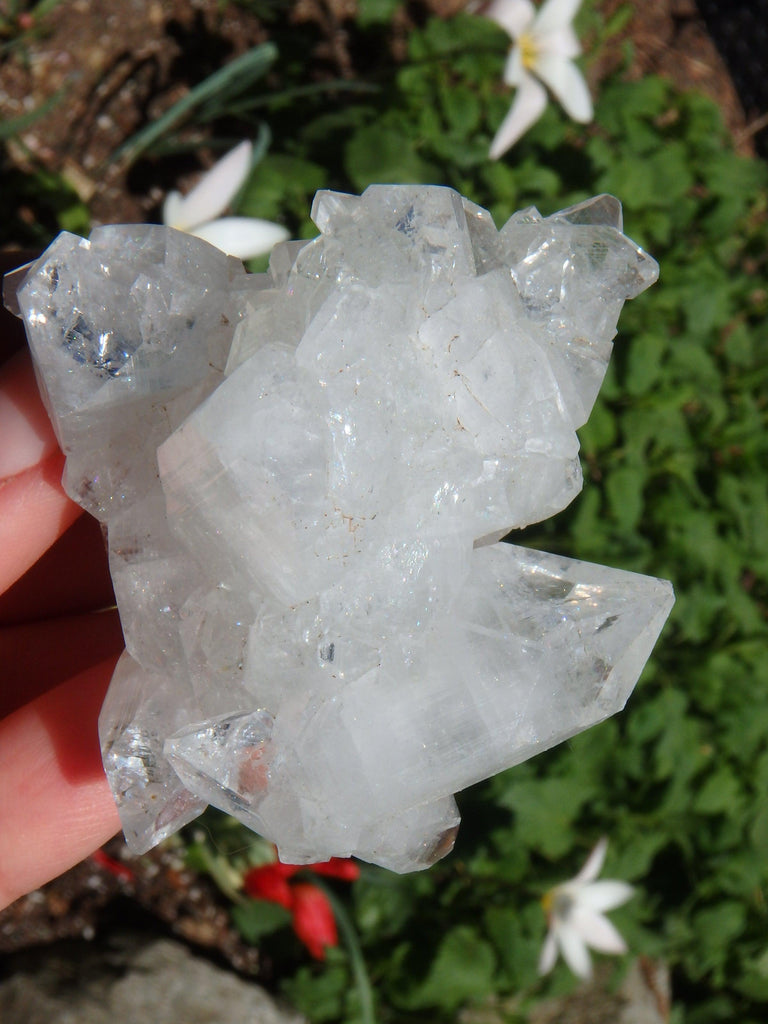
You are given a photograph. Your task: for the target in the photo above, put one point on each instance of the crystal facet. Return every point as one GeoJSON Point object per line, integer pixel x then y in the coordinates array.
{"type": "Point", "coordinates": [304, 476]}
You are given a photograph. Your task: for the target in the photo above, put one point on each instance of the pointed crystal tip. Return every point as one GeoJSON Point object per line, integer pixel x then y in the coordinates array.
{"type": "Point", "coordinates": [602, 209]}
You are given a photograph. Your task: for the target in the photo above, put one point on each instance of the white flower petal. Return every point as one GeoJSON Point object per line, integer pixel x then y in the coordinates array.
{"type": "Point", "coordinates": [597, 931]}
{"type": "Point", "coordinates": [548, 953]}
{"type": "Point", "coordinates": [562, 43]}
{"type": "Point", "coordinates": [215, 189]}
{"type": "Point", "coordinates": [594, 863]}
{"type": "Point", "coordinates": [244, 237]}
{"type": "Point", "coordinates": [172, 207]}
{"type": "Point", "coordinates": [576, 917]}
{"type": "Point", "coordinates": [575, 952]}
{"type": "Point", "coordinates": [514, 16]}
{"type": "Point", "coordinates": [567, 83]}
{"type": "Point", "coordinates": [528, 106]}
{"type": "Point", "coordinates": [555, 14]}
{"type": "Point", "coordinates": [605, 895]}
{"type": "Point", "coordinates": [514, 72]}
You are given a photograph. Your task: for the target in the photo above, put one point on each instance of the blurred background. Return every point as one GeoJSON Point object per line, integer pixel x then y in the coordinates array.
{"type": "Point", "coordinates": [105, 107]}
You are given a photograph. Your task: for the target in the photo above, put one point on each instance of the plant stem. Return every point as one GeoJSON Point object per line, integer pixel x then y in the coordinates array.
{"type": "Point", "coordinates": [359, 968]}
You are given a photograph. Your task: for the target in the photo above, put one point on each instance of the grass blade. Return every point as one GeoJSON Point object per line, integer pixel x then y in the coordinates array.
{"type": "Point", "coordinates": [243, 71]}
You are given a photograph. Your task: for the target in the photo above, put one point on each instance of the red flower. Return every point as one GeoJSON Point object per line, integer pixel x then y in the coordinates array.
{"type": "Point", "coordinates": [336, 867]}
{"type": "Point", "coordinates": [269, 882]}
{"type": "Point", "coordinates": [313, 919]}
{"type": "Point", "coordinates": [113, 866]}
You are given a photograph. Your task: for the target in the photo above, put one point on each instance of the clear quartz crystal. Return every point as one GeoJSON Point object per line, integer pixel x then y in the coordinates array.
{"type": "Point", "coordinates": [304, 477]}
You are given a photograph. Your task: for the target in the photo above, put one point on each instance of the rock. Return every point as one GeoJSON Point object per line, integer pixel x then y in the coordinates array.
{"type": "Point", "coordinates": [129, 980]}
{"type": "Point", "coordinates": [642, 998]}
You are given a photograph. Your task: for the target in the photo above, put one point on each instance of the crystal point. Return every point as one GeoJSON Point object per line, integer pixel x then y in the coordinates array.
{"type": "Point", "coordinates": [152, 801]}
{"type": "Point", "coordinates": [304, 477]}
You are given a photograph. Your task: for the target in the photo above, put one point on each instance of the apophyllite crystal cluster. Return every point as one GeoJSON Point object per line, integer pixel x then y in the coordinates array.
{"type": "Point", "coordinates": [305, 475]}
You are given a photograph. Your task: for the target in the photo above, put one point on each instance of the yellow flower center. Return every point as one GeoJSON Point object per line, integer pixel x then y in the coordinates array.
{"type": "Point", "coordinates": [557, 903]}
{"type": "Point", "coordinates": [528, 50]}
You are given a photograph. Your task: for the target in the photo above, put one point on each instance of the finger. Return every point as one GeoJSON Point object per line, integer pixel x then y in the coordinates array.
{"type": "Point", "coordinates": [34, 512]}
{"type": "Point", "coordinates": [55, 804]}
{"type": "Point", "coordinates": [25, 429]}
{"type": "Point", "coordinates": [39, 656]}
{"type": "Point", "coordinates": [72, 577]}
{"type": "Point", "coordinates": [11, 327]}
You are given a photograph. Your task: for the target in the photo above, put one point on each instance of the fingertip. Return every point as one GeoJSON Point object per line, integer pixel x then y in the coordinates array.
{"type": "Point", "coordinates": [55, 803]}
{"type": "Point", "coordinates": [34, 513]}
{"type": "Point", "coordinates": [25, 429]}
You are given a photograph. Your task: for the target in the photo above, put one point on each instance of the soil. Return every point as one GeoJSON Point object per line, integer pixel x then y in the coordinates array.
{"type": "Point", "coordinates": [113, 889]}
{"type": "Point", "coordinates": [115, 65]}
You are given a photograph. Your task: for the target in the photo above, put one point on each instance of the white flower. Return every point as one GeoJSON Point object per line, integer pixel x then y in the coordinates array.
{"type": "Point", "coordinates": [198, 212]}
{"type": "Point", "coordinates": [544, 47]}
{"type": "Point", "coordinates": [576, 919]}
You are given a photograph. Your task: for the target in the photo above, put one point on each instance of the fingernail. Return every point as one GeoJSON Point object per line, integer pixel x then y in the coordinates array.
{"type": "Point", "coordinates": [26, 435]}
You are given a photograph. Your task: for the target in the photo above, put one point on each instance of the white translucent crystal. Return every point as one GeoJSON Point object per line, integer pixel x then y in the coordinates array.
{"type": "Point", "coordinates": [139, 708]}
{"type": "Point", "coordinates": [304, 476]}
{"type": "Point", "coordinates": [129, 331]}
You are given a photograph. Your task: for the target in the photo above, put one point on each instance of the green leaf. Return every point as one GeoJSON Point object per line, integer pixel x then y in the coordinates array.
{"type": "Point", "coordinates": [384, 905]}
{"type": "Point", "coordinates": [431, 126]}
{"type": "Point", "coordinates": [256, 918]}
{"type": "Point", "coordinates": [321, 995]}
{"type": "Point", "coordinates": [619, 20]}
{"type": "Point", "coordinates": [622, 102]}
{"type": "Point", "coordinates": [516, 935]}
{"type": "Point", "coordinates": [716, 927]}
{"type": "Point", "coordinates": [656, 715]}
{"type": "Point", "coordinates": [375, 12]}
{"type": "Point", "coordinates": [75, 218]}
{"type": "Point", "coordinates": [758, 832]}
{"type": "Point", "coordinates": [624, 489]}
{"type": "Point", "coordinates": [720, 793]}
{"type": "Point", "coordinates": [545, 810]}
{"type": "Point", "coordinates": [670, 170]}
{"type": "Point", "coordinates": [645, 362]}
{"type": "Point", "coordinates": [626, 177]}
{"type": "Point", "coordinates": [538, 182]}
{"type": "Point", "coordinates": [754, 982]}
{"type": "Point", "coordinates": [709, 307]}
{"type": "Point", "coordinates": [379, 154]}
{"type": "Point", "coordinates": [679, 756]}
{"type": "Point", "coordinates": [281, 185]}
{"type": "Point", "coordinates": [459, 36]}
{"type": "Point", "coordinates": [632, 861]}
{"type": "Point", "coordinates": [728, 174]}
{"type": "Point", "coordinates": [738, 345]}
{"type": "Point", "coordinates": [462, 109]}
{"type": "Point", "coordinates": [462, 970]}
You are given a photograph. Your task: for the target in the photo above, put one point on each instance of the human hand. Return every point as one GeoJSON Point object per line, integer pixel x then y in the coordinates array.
{"type": "Point", "coordinates": [58, 646]}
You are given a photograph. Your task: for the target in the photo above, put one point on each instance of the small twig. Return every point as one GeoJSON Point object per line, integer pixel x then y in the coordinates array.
{"type": "Point", "coordinates": [752, 128]}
